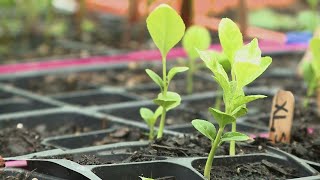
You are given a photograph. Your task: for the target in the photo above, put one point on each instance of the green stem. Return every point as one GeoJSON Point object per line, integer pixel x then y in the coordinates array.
{"type": "Point", "coordinates": [164, 75]}
{"type": "Point", "coordinates": [162, 122]}
{"type": "Point", "coordinates": [190, 77]}
{"type": "Point", "coordinates": [214, 147]}
{"type": "Point", "coordinates": [151, 133]}
{"type": "Point", "coordinates": [232, 151]}
{"type": "Point", "coordinates": [218, 102]}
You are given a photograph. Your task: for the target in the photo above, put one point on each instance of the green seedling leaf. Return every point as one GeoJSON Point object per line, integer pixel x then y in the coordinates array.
{"type": "Point", "coordinates": [309, 77]}
{"type": "Point", "coordinates": [174, 71]}
{"type": "Point", "coordinates": [169, 101]}
{"type": "Point", "coordinates": [196, 37]}
{"type": "Point", "coordinates": [242, 100]}
{"type": "Point", "coordinates": [222, 118]}
{"type": "Point", "coordinates": [157, 113]}
{"type": "Point", "coordinates": [205, 127]}
{"type": "Point", "coordinates": [234, 136]}
{"type": "Point", "coordinates": [248, 63]}
{"type": "Point", "coordinates": [315, 50]}
{"type": "Point", "coordinates": [314, 45]}
{"type": "Point", "coordinates": [230, 38]}
{"type": "Point", "coordinates": [147, 115]}
{"type": "Point", "coordinates": [240, 111]}
{"type": "Point", "coordinates": [307, 70]}
{"type": "Point", "coordinates": [155, 77]}
{"type": "Point", "coordinates": [165, 27]}
{"type": "Point", "coordinates": [211, 61]}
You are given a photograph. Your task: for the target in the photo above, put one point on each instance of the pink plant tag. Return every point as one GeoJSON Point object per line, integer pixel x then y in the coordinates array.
{"type": "Point", "coordinates": [18, 163]}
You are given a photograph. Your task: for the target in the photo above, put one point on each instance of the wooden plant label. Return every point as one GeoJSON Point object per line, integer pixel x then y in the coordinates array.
{"type": "Point", "coordinates": [281, 117]}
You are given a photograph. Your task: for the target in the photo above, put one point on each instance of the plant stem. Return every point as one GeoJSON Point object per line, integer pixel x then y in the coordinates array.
{"type": "Point", "coordinates": [214, 147]}
{"type": "Point", "coordinates": [217, 104]}
{"type": "Point", "coordinates": [190, 77]}
{"type": "Point", "coordinates": [164, 75]}
{"type": "Point", "coordinates": [232, 151]}
{"type": "Point", "coordinates": [162, 121]}
{"type": "Point", "coordinates": [151, 133]}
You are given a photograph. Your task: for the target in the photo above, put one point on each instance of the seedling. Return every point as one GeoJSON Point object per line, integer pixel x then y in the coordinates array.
{"type": "Point", "coordinates": [246, 65]}
{"type": "Point", "coordinates": [196, 37]}
{"type": "Point", "coordinates": [311, 70]}
{"type": "Point", "coordinates": [166, 29]}
{"type": "Point", "coordinates": [150, 118]}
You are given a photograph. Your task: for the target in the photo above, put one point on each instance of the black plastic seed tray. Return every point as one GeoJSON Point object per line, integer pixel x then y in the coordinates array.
{"type": "Point", "coordinates": [94, 112]}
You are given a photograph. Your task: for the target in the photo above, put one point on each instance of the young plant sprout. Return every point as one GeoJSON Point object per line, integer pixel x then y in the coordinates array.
{"type": "Point", "coordinates": [246, 65]}
{"type": "Point", "coordinates": [196, 37]}
{"type": "Point", "coordinates": [166, 29]}
{"type": "Point", "coordinates": [150, 118]}
{"type": "Point", "coordinates": [311, 70]}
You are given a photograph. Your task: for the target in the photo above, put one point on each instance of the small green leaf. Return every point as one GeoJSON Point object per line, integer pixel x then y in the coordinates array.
{"type": "Point", "coordinates": [196, 37]}
{"type": "Point", "coordinates": [165, 27]}
{"type": "Point", "coordinates": [246, 72]}
{"type": "Point", "coordinates": [242, 100]}
{"type": "Point", "coordinates": [234, 136]}
{"type": "Point", "coordinates": [155, 77]}
{"type": "Point", "coordinates": [174, 71]}
{"type": "Point", "coordinates": [205, 127]}
{"type": "Point", "coordinates": [158, 112]}
{"type": "Point", "coordinates": [309, 77]}
{"type": "Point", "coordinates": [315, 50]}
{"type": "Point", "coordinates": [230, 38]}
{"type": "Point", "coordinates": [240, 111]}
{"type": "Point", "coordinates": [146, 115]}
{"type": "Point", "coordinates": [169, 101]}
{"type": "Point", "coordinates": [222, 118]}
{"type": "Point", "coordinates": [211, 61]}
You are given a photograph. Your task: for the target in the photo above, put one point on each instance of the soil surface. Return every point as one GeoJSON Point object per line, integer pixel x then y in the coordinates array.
{"type": "Point", "coordinates": [16, 141]}
{"type": "Point", "coordinates": [89, 159]}
{"type": "Point", "coordinates": [123, 134]}
{"type": "Point", "coordinates": [304, 144]}
{"type": "Point", "coordinates": [251, 171]}
{"type": "Point", "coordinates": [189, 146]}
{"type": "Point", "coordinates": [53, 84]}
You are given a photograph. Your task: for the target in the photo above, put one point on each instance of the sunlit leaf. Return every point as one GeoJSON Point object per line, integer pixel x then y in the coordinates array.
{"type": "Point", "coordinates": [165, 27]}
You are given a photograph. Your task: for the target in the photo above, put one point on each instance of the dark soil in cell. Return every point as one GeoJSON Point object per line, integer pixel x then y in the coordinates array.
{"type": "Point", "coordinates": [88, 159]}
{"type": "Point", "coordinates": [303, 144]}
{"type": "Point", "coordinates": [20, 141]}
{"type": "Point", "coordinates": [129, 76]}
{"type": "Point", "coordinates": [251, 171]}
{"type": "Point", "coordinates": [122, 135]}
{"type": "Point", "coordinates": [15, 141]}
{"type": "Point", "coordinates": [192, 147]}
{"type": "Point", "coordinates": [95, 98]}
